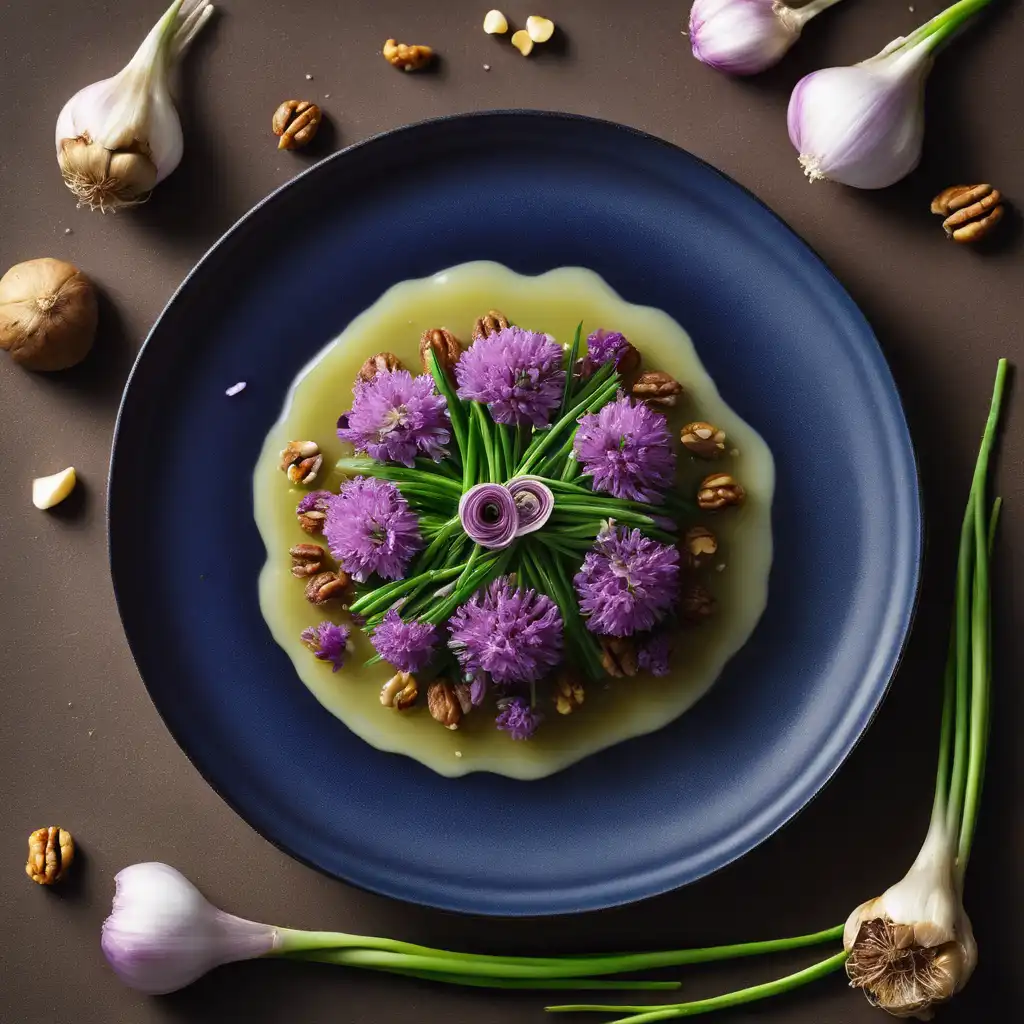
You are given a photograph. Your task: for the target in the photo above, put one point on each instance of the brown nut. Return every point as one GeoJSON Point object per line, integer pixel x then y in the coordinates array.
{"type": "Point", "coordinates": [696, 603]}
{"type": "Point", "coordinates": [312, 520]}
{"type": "Point", "coordinates": [296, 121]}
{"type": "Point", "coordinates": [464, 695]}
{"type": "Point", "coordinates": [492, 322]}
{"type": "Point", "coordinates": [307, 559]}
{"type": "Point", "coordinates": [703, 439]}
{"type": "Point", "coordinates": [658, 389]}
{"type": "Point", "coordinates": [970, 211]}
{"type": "Point", "coordinates": [328, 586]}
{"type": "Point", "coordinates": [445, 346]}
{"type": "Point", "coordinates": [443, 704]}
{"type": "Point", "coordinates": [400, 691]}
{"type": "Point", "coordinates": [301, 461]}
{"type": "Point", "coordinates": [699, 543]}
{"type": "Point", "coordinates": [618, 656]}
{"type": "Point", "coordinates": [50, 853]}
{"type": "Point", "coordinates": [382, 362]}
{"type": "Point", "coordinates": [719, 490]}
{"type": "Point", "coordinates": [568, 692]}
{"type": "Point", "coordinates": [408, 58]}
{"type": "Point", "coordinates": [629, 361]}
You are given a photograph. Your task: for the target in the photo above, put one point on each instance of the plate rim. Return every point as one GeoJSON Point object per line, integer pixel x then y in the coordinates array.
{"type": "Point", "coordinates": [919, 522]}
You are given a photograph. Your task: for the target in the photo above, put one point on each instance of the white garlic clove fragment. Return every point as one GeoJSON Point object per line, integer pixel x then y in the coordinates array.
{"type": "Point", "coordinates": [539, 29]}
{"type": "Point", "coordinates": [522, 42]}
{"type": "Point", "coordinates": [495, 23]}
{"type": "Point", "coordinates": [48, 491]}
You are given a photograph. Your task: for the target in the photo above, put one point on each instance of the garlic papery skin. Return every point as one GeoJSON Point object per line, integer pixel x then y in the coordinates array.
{"type": "Point", "coordinates": [162, 934]}
{"type": "Point", "coordinates": [118, 138]}
{"type": "Point", "coordinates": [913, 947]}
{"type": "Point", "coordinates": [743, 37]}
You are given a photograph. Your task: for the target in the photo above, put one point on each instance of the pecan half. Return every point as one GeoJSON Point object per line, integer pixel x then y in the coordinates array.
{"type": "Point", "coordinates": [696, 603]}
{"type": "Point", "coordinates": [568, 692]}
{"type": "Point", "coordinates": [312, 511]}
{"type": "Point", "coordinates": [301, 461]}
{"type": "Point", "coordinates": [658, 389]}
{"type": "Point", "coordinates": [50, 853]}
{"type": "Point", "coordinates": [307, 559]}
{"type": "Point", "coordinates": [703, 439]}
{"type": "Point", "coordinates": [408, 58]}
{"type": "Point", "coordinates": [400, 691]}
{"type": "Point", "coordinates": [296, 121]}
{"type": "Point", "coordinates": [970, 211]}
{"type": "Point", "coordinates": [328, 586]}
{"type": "Point", "coordinates": [719, 490]}
{"type": "Point", "coordinates": [490, 323]}
{"type": "Point", "coordinates": [618, 656]}
{"type": "Point", "coordinates": [699, 543]}
{"type": "Point", "coordinates": [445, 346]}
{"type": "Point", "coordinates": [382, 362]}
{"type": "Point", "coordinates": [443, 704]}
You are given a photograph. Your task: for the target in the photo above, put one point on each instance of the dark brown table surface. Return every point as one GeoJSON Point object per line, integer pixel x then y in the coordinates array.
{"type": "Point", "coordinates": [82, 746]}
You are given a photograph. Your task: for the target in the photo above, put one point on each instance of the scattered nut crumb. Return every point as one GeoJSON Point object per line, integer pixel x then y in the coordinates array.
{"type": "Point", "coordinates": [235, 389]}
{"type": "Point", "coordinates": [522, 42]}
{"type": "Point", "coordinates": [327, 95]}
{"type": "Point", "coordinates": [458, 753]}
{"type": "Point", "coordinates": [495, 23]}
{"type": "Point", "coordinates": [720, 567]}
{"type": "Point", "coordinates": [67, 231]}
{"type": "Point", "coordinates": [487, 67]}
{"type": "Point", "coordinates": [539, 29]}
{"type": "Point", "coordinates": [91, 731]}
{"type": "Point", "coordinates": [309, 78]}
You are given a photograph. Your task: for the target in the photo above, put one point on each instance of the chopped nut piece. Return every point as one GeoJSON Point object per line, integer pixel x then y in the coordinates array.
{"type": "Point", "coordinates": [491, 323]}
{"type": "Point", "coordinates": [618, 656]}
{"type": "Point", "coordinates": [970, 211]}
{"type": "Point", "coordinates": [50, 853]}
{"type": "Point", "coordinates": [446, 347]}
{"type": "Point", "coordinates": [657, 389]}
{"type": "Point", "coordinates": [464, 695]}
{"type": "Point", "coordinates": [443, 704]}
{"type": "Point", "coordinates": [699, 543]}
{"type": "Point", "coordinates": [301, 461]}
{"type": "Point", "coordinates": [296, 121]}
{"type": "Point", "coordinates": [400, 691]}
{"type": "Point", "coordinates": [696, 603]}
{"type": "Point", "coordinates": [312, 511]}
{"type": "Point", "coordinates": [495, 23]}
{"type": "Point", "coordinates": [703, 439]}
{"type": "Point", "coordinates": [382, 362]}
{"type": "Point", "coordinates": [522, 42]}
{"type": "Point", "coordinates": [307, 559]}
{"type": "Point", "coordinates": [408, 58]}
{"type": "Point", "coordinates": [539, 29]}
{"type": "Point", "coordinates": [328, 586]}
{"type": "Point", "coordinates": [568, 692]}
{"type": "Point", "coordinates": [719, 490]}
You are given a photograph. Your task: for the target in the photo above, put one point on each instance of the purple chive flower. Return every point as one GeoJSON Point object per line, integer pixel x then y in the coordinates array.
{"type": "Point", "coordinates": [604, 347]}
{"type": "Point", "coordinates": [370, 529]}
{"type": "Point", "coordinates": [518, 719]}
{"type": "Point", "coordinates": [654, 653]}
{"type": "Point", "coordinates": [627, 582]}
{"type": "Point", "coordinates": [395, 416]}
{"type": "Point", "coordinates": [327, 641]}
{"type": "Point", "coordinates": [517, 373]}
{"type": "Point", "coordinates": [513, 635]}
{"type": "Point", "coordinates": [409, 646]}
{"type": "Point", "coordinates": [626, 450]}
{"type": "Point", "coordinates": [315, 501]}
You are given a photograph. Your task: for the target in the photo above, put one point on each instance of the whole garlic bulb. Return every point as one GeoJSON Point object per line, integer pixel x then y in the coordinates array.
{"type": "Point", "coordinates": [48, 314]}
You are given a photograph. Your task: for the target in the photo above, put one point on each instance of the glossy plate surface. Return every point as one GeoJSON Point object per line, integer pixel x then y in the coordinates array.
{"type": "Point", "coordinates": [785, 344]}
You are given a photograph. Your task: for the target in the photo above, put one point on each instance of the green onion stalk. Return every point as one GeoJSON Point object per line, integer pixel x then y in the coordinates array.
{"type": "Point", "coordinates": [912, 948]}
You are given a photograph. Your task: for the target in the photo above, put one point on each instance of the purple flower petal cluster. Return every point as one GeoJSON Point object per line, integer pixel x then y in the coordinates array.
{"type": "Point", "coordinates": [409, 646]}
{"type": "Point", "coordinates": [315, 501]}
{"type": "Point", "coordinates": [395, 416]}
{"type": "Point", "coordinates": [327, 641]}
{"type": "Point", "coordinates": [627, 582]}
{"type": "Point", "coordinates": [604, 347]}
{"type": "Point", "coordinates": [654, 653]}
{"type": "Point", "coordinates": [518, 719]}
{"type": "Point", "coordinates": [371, 529]}
{"type": "Point", "coordinates": [626, 450]}
{"type": "Point", "coordinates": [514, 635]}
{"type": "Point", "coordinates": [517, 373]}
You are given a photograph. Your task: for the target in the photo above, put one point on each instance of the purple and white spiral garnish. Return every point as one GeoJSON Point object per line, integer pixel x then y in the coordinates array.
{"type": "Point", "coordinates": [489, 515]}
{"type": "Point", "coordinates": [534, 503]}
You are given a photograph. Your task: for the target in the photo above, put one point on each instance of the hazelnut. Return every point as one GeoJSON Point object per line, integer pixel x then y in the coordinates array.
{"type": "Point", "coordinates": [703, 439]}
{"type": "Point", "coordinates": [970, 211]}
{"type": "Point", "coordinates": [696, 603]}
{"type": "Point", "coordinates": [408, 58]}
{"type": "Point", "coordinates": [296, 122]}
{"type": "Point", "coordinates": [328, 586]}
{"type": "Point", "coordinates": [443, 704]}
{"type": "Point", "coordinates": [50, 853]}
{"type": "Point", "coordinates": [618, 656]}
{"type": "Point", "coordinates": [657, 389]}
{"type": "Point", "coordinates": [301, 461]}
{"type": "Point", "coordinates": [719, 490]}
{"type": "Point", "coordinates": [400, 691]}
{"type": "Point", "coordinates": [445, 346]}
{"type": "Point", "coordinates": [568, 692]}
{"type": "Point", "coordinates": [307, 559]}
{"type": "Point", "coordinates": [382, 362]}
{"type": "Point", "coordinates": [699, 543]}
{"type": "Point", "coordinates": [490, 323]}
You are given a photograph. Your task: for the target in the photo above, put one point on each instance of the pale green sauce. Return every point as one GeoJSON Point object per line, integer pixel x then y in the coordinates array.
{"type": "Point", "coordinates": [554, 302]}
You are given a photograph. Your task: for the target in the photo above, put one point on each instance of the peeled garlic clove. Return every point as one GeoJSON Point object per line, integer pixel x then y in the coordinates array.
{"type": "Point", "coordinates": [48, 491]}
{"type": "Point", "coordinates": [495, 23]}
{"type": "Point", "coordinates": [539, 29]}
{"type": "Point", "coordinates": [522, 42]}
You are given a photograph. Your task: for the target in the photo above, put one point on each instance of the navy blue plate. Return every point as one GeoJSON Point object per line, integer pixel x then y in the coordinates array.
{"type": "Point", "coordinates": [775, 329]}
